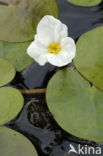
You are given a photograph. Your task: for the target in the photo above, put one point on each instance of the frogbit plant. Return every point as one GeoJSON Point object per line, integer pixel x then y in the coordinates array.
{"type": "Point", "coordinates": [51, 43]}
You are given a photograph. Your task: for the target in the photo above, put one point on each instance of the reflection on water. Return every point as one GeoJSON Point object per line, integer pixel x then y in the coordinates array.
{"type": "Point", "coordinates": [35, 120]}
{"type": "Point", "coordinates": [80, 19]}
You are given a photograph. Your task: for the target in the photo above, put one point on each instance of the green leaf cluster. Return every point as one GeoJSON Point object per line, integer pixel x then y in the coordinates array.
{"type": "Point", "coordinates": [75, 96]}
{"type": "Point", "coordinates": [11, 100]}
{"type": "Point", "coordinates": [18, 23]}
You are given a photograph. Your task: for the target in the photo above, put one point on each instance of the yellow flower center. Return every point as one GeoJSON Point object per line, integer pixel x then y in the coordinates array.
{"type": "Point", "coordinates": [54, 48]}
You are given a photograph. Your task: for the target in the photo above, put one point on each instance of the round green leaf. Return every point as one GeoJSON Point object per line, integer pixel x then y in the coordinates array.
{"type": "Point", "coordinates": [13, 143]}
{"type": "Point", "coordinates": [75, 105]}
{"type": "Point", "coordinates": [7, 72]}
{"type": "Point", "coordinates": [85, 2]}
{"type": "Point", "coordinates": [16, 54]}
{"type": "Point", "coordinates": [89, 57]}
{"type": "Point", "coordinates": [20, 18]}
{"type": "Point", "coordinates": [11, 102]}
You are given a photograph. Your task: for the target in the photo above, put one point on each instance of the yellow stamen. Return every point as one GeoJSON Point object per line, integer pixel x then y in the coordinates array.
{"type": "Point", "coordinates": [54, 48]}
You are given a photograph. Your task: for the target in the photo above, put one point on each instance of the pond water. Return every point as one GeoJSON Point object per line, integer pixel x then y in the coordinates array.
{"type": "Point", "coordinates": [35, 121]}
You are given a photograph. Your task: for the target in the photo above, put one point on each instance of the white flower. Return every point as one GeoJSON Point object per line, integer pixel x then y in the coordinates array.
{"type": "Point", "coordinates": [51, 43]}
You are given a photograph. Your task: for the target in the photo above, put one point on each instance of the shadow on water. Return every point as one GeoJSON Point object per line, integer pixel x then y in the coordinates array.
{"type": "Point", "coordinates": [35, 120]}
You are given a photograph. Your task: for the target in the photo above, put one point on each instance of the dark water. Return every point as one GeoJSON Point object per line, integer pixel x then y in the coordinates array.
{"type": "Point", "coordinates": [35, 121]}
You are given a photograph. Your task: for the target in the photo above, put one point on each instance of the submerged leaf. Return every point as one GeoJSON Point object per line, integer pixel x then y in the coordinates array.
{"type": "Point", "coordinates": [85, 2]}
{"type": "Point", "coordinates": [7, 72]}
{"type": "Point", "coordinates": [13, 143]}
{"type": "Point", "coordinates": [11, 102]}
{"type": "Point", "coordinates": [16, 54]}
{"type": "Point", "coordinates": [19, 18]}
{"type": "Point", "coordinates": [75, 105]}
{"type": "Point", "coordinates": [89, 57]}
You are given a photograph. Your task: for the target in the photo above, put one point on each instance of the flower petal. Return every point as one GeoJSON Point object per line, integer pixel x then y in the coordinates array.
{"type": "Point", "coordinates": [42, 59]}
{"type": "Point", "coordinates": [35, 49]}
{"type": "Point", "coordinates": [57, 60]}
{"type": "Point", "coordinates": [61, 31]}
{"type": "Point", "coordinates": [40, 42]}
{"type": "Point", "coordinates": [51, 29]}
{"type": "Point", "coordinates": [68, 48]}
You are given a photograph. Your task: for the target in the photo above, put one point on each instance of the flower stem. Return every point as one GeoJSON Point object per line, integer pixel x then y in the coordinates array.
{"type": "Point", "coordinates": [33, 91]}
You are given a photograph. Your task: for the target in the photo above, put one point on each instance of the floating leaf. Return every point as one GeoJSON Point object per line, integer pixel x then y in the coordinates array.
{"type": "Point", "coordinates": [19, 19]}
{"type": "Point", "coordinates": [13, 143]}
{"type": "Point", "coordinates": [11, 102]}
{"type": "Point", "coordinates": [7, 72]}
{"type": "Point", "coordinates": [85, 2]}
{"type": "Point", "coordinates": [75, 105]}
{"type": "Point", "coordinates": [16, 54]}
{"type": "Point", "coordinates": [89, 58]}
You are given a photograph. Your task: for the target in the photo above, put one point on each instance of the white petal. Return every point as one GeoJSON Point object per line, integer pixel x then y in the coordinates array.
{"type": "Point", "coordinates": [61, 31]}
{"type": "Point", "coordinates": [41, 42]}
{"type": "Point", "coordinates": [45, 40]}
{"type": "Point", "coordinates": [34, 50]}
{"type": "Point", "coordinates": [57, 60]}
{"type": "Point", "coordinates": [68, 48]}
{"type": "Point", "coordinates": [42, 59]}
{"type": "Point", "coordinates": [67, 41]}
{"type": "Point", "coordinates": [51, 29]}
